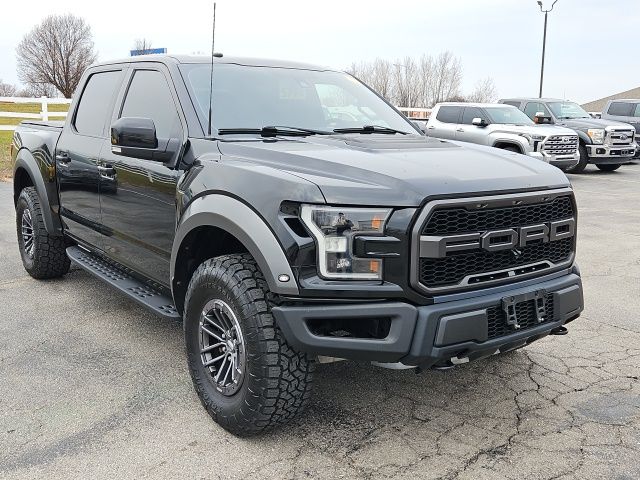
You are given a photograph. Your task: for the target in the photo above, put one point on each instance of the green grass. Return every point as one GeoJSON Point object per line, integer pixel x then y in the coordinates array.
{"type": "Point", "coordinates": [5, 137]}
{"type": "Point", "coordinates": [5, 164]}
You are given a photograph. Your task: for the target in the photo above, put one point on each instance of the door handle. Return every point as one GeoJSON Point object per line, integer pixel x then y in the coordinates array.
{"type": "Point", "coordinates": [62, 157]}
{"type": "Point", "coordinates": [431, 128]}
{"type": "Point", "coordinates": [107, 172]}
{"type": "Point", "coordinates": [460, 130]}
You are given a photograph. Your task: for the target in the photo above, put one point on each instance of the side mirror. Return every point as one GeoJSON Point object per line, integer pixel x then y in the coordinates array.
{"type": "Point", "coordinates": [136, 137]}
{"type": "Point", "coordinates": [479, 122]}
{"type": "Point", "coordinates": [539, 118]}
{"type": "Point", "coordinates": [134, 132]}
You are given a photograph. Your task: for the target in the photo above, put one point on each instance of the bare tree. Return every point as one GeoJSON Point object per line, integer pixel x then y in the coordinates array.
{"type": "Point", "coordinates": [7, 90]}
{"type": "Point", "coordinates": [142, 44]}
{"type": "Point", "coordinates": [447, 77]}
{"type": "Point", "coordinates": [56, 52]}
{"type": "Point", "coordinates": [484, 91]}
{"type": "Point", "coordinates": [37, 90]}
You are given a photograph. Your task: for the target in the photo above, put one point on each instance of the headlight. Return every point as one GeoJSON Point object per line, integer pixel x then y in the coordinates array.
{"type": "Point", "coordinates": [532, 138]}
{"type": "Point", "coordinates": [596, 135]}
{"type": "Point", "coordinates": [334, 229]}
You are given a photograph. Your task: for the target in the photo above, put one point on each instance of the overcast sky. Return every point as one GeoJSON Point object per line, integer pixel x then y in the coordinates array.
{"type": "Point", "coordinates": [591, 50]}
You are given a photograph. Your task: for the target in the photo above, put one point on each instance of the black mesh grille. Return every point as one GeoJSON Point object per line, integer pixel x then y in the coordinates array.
{"type": "Point", "coordinates": [436, 272]}
{"type": "Point", "coordinates": [526, 315]}
{"type": "Point", "coordinates": [452, 269]}
{"type": "Point", "coordinates": [459, 220]}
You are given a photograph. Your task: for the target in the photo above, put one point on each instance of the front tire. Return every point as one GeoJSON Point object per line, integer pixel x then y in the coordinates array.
{"type": "Point", "coordinates": [609, 167]}
{"type": "Point", "coordinates": [43, 255]}
{"type": "Point", "coordinates": [263, 381]}
{"type": "Point", "coordinates": [584, 161]}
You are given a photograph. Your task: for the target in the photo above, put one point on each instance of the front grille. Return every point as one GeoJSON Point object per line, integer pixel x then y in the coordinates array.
{"type": "Point", "coordinates": [525, 313]}
{"type": "Point", "coordinates": [438, 272]}
{"type": "Point", "coordinates": [466, 268]}
{"type": "Point", "coordinates": [620, 137]}
{"type": "Point", "coordinates": [561, 145]}
{"type": "Point", "coordinates": [448, 221]}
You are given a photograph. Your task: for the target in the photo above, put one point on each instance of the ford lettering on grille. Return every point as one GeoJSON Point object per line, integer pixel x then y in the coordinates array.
{"type": "Point", "coordinates": [461, 244]}
{"type": "Point", "coordinates": [496, 240]}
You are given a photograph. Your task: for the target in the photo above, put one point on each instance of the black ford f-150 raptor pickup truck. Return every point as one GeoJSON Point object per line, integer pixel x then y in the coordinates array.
{"type": "Point", "coordinates": [313, 222]}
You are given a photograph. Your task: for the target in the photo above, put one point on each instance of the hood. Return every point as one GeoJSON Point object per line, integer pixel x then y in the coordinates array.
{"type": "Point", "coordinates": [586, 123]}
{"type": "Point", "coordinates": [394, 170]}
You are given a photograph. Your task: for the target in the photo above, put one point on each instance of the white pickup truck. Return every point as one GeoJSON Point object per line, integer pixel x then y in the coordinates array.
{"type": "Point", "coordinates": [506, 127]}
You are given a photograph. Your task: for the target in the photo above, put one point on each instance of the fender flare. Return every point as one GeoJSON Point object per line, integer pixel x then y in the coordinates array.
{"type": "Point", "coordinates": [26, 161]}
{"type": "Point", "coordinates": [511, 139]}
{"type": "Point", "coordinates": [235, 217]}
{"type": "Point", "coordinates": [584, 137]}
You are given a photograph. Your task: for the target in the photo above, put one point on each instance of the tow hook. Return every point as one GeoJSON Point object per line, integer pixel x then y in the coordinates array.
{"type": "Point", "coordinates": [559, 331]}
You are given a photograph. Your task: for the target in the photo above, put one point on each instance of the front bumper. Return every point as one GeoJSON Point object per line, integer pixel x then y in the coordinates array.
{"type": "Point", "coordinates": [430, 335]}
{"type": "Point", "coordinates": [605, 154]}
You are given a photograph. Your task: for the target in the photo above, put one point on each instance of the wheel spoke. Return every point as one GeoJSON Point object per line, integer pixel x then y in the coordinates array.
{"type": "Point", "coordinates": [213, 323]}
{"type": "Point", "coordinates": [213, 360]}
{"type": "Point", "coordinates": [224, 362]}
{"type": "Point", "coordinates": [212, 347]}
{"type": "Point", "coordinates": [209, 332]}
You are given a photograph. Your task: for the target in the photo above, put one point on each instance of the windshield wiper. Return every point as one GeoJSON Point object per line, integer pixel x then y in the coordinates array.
{"type": "Point", "coordinates": [369, 129]}
{"type": "Point", "coordinates": [272, 131]}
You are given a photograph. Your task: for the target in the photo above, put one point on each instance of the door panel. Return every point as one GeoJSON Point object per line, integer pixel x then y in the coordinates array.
{"type": "Point", "coordinates": [138, 197]}
{"type": "Point", "coordinates": [466, 131]}
{"type": "Point", "coordinates": [78, 153]}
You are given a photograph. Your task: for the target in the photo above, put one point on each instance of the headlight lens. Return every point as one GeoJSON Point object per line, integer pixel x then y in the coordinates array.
{"type": "Point", "coordinates": [596, 135]}
{"type": "Point", "coordinates": [334, 229]}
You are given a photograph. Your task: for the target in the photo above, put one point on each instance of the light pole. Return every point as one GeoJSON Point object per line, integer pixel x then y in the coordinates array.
{"type": "Point", "coordinates": [544, 40]}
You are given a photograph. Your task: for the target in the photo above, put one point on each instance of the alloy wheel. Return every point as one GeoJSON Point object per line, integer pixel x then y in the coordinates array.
{"type": "Point", "coordinates": [222, 347]}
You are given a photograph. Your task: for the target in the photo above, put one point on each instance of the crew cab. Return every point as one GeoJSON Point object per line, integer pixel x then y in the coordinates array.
{"type": "Point", "coordinates": [282, 231]}
{"type": "Point", "coordinates": [626, 111]}
{"type": "Point", "coordinates": [605, 143]}
{"type": "Point", "coordinates": [505, 127]}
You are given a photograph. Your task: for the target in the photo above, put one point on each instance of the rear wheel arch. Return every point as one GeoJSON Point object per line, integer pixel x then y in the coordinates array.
{"type": "Point", "coordinates": [27, 173]}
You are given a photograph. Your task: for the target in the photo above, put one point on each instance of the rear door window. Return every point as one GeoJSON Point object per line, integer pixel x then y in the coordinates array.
{"type": "Point", "coordinates": [449, 114]}
{"type": "Point", "coordinates": [96, 103]}
{"type": "Point", "coordinates": [621, 109]}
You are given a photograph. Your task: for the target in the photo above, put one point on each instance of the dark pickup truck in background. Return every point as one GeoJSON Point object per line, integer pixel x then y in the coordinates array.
{"type": "Point", "coordinates": [607, 144]}
{"type": "Point", "coordinates": [315, 221]}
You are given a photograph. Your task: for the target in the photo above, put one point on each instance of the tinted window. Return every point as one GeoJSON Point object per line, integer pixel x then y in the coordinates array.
{"type": "Point", "coordinates": [149, 96]}
{"type": "Point", "coordinates": [636, 113]}
{"type": "Point", "coordinates": [534, 107]}
{"type": "Point", "coordinates": [93, 109]}
{"type": "Point", "coordinates": [621, 109]}
{"type": "Point", "coordinates": [470, 113]}
{"type": "Point", "coordinates": [449, 114]}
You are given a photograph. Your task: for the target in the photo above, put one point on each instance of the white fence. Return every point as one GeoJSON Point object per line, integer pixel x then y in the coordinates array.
{"type": "Point", "coordinates": [416, 112]}
{"type": "Point", "coordinates": [44, 109]}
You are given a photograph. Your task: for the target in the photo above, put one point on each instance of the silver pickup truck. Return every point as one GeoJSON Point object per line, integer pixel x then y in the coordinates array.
{"type": "Point", "coordinates": [506, 127]}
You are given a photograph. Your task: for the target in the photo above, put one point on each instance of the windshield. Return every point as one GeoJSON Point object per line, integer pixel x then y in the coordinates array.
{"type": "Point", "coordinates": [567, 110]}
{"type": "Point", "coordinates": [255, 97]}
{"type": "Point", "coordinates": [508, 115]}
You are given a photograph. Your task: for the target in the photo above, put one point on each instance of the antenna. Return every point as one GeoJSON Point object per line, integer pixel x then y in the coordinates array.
{"type": "Point", "coordinates": [213, 54]}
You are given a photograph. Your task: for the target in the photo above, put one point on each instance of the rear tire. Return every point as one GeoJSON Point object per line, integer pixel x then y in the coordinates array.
{"type": "Point", "coordinates": [584, 161]}
{"type": "Point", "coordinates": [609, 167]}
{"type": "Point", "coordinates": [43, 255]}
{"type": "Point", "coordinates": [272, 383]}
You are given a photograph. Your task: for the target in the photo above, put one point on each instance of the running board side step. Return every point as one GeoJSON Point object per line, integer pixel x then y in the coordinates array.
{"type": "Point", "coordinates": [121, 280]}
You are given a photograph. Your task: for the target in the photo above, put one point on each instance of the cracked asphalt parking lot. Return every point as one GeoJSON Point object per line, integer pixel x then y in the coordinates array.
{"type": "Point", "coordinates": [93, 386]}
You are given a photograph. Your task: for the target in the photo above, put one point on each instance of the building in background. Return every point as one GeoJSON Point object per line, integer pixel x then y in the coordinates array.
{"type": "Point", "coordinates": [598, 105]}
